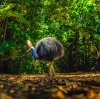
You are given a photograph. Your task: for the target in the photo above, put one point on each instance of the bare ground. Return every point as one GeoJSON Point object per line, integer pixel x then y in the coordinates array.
{"type": "Point", "coordinates": [62, 86]}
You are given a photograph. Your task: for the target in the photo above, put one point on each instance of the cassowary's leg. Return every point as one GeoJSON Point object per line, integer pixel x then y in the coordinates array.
{"type": "Point", "coordinates": [51, 69]}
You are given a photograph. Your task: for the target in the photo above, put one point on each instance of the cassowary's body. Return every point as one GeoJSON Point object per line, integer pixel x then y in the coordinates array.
{"type": "Point", "coordinates": [47, 49]}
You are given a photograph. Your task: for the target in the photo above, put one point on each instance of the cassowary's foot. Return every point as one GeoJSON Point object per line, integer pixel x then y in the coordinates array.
{"type": "Point", "coordinates": [54, 75]}
{"type": "Point", "coordinates": [51, 75]}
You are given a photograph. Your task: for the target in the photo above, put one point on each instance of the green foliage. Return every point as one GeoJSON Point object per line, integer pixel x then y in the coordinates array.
{"type": "Point", "coordinates": [76, 23]}
{"type": "Point", "coordinates": [7, 11]}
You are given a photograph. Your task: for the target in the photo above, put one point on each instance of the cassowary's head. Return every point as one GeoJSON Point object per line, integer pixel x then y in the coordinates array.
{"type": "Point", "coordinates": [29, 43]}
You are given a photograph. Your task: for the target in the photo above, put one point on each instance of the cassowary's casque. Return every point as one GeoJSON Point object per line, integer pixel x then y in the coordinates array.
{"type": "Point", "coordinates": [47, 49]}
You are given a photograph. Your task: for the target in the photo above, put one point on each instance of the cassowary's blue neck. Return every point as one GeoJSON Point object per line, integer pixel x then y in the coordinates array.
{"type": "Point", "coordinates": [34, 54]}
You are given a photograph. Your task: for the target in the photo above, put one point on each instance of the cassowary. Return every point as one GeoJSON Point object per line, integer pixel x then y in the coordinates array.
{"type": "Point", "coordinates": [47, 49]}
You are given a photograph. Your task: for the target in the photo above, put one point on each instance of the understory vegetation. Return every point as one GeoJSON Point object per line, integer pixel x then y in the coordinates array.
{"type": "Point", "coordinates": [75, 23]}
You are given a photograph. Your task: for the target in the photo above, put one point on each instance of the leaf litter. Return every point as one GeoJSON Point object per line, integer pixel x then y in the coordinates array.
{"type": "Point", "coordinates": [62, 86]}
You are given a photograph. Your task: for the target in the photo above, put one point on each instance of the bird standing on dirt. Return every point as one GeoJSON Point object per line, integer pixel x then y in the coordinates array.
{"type": "Point", "coordinates": [47, 49]}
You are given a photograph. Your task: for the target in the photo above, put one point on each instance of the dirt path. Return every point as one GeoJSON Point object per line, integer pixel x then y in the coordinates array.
{"type": "Point", "coordinates": [62, 86]}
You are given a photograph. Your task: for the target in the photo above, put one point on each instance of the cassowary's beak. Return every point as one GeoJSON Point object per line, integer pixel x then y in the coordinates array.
{"type": "Point", "coordinates": [28, 51]}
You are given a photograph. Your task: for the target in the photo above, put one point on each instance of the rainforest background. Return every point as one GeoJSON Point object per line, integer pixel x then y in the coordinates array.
{"type": "Point", "coordinates": [75, 23]}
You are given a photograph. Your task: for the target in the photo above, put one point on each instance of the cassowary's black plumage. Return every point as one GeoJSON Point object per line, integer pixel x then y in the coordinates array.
{"type": "Point", "coordinates": [47, 49]}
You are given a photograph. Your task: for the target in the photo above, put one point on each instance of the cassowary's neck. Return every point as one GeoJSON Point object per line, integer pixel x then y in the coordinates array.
{"type": "Point", "coordinates": [34, 54]}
